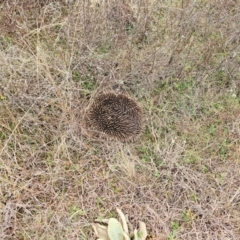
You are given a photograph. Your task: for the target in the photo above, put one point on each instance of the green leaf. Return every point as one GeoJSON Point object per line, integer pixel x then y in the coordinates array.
{"type": "Point", "coordinates": [115, 230]}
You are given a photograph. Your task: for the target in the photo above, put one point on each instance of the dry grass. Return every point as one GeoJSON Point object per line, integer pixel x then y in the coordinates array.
{"type": "Point", "coordinates": [179, 59]}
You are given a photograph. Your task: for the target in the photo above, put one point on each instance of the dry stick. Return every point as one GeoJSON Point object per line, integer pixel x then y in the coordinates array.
{"type": "Point", "coordinates": [126, 236]}
{"type": "Point", "coordinates": [123, 218]}
{"type": "Point", "coordinates": [234, 196]}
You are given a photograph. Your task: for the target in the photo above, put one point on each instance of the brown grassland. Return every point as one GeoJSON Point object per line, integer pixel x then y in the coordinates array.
{"type": "Point", "coordinates": [179, 59]}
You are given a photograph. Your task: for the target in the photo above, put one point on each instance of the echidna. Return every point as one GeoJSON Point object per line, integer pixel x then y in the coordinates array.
{"type": "Point", "coordinates": [117, 115]}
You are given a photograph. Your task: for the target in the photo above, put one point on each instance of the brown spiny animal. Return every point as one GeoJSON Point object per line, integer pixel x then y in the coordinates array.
{"type": "Point", "coordinates": [116, 115]}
